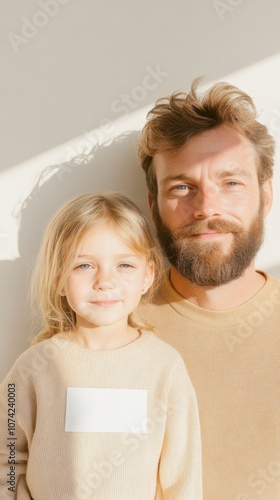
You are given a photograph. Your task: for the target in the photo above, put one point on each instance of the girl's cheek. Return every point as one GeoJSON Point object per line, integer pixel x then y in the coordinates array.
{"type": "Point", "coordinates": [124, 281]}
{"type": "Point", "coordinates": [127, 281]}
{"type": "Point", "coordinates": [121, 285]}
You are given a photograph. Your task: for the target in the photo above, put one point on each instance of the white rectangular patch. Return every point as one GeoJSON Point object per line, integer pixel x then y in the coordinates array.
{"type": "Point", "coordinates": [106, 410]}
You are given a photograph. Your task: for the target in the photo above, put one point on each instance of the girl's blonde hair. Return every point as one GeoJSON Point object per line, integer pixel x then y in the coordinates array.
{"type": "Point", "coordinates": [59, 248]}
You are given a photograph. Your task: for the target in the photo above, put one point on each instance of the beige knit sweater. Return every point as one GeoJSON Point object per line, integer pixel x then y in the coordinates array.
{"type": "Point", "coordinates": [79, 424]}
{"type": "Point", "coordinates": [233, 359]}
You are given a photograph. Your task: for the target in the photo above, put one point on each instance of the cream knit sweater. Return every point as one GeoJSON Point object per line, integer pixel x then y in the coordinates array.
{"type": "Point", "coordinates": [140, 442]}
{"type": "Point", "coordinates": [233, 359]}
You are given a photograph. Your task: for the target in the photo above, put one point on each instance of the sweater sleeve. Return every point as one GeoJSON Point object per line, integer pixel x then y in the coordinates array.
{"type": "Point", "coordinates": [180, 472]}
{"type": "Point", "coordinates": [16, 416]}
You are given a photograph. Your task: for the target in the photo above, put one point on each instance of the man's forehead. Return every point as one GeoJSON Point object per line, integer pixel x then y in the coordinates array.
{"type": "Point", "coordinates": [221, 139]}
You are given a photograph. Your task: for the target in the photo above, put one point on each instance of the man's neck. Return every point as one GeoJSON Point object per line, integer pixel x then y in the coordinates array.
{"type": "Point", "coordinates": [222, 297]}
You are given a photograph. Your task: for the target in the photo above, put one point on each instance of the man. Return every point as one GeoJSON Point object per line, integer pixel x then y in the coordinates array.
{"type": "Point", "coordinates": [209, 165]}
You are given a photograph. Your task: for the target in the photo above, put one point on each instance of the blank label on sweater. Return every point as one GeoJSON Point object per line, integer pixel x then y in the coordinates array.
{"type": "Point", "coordinates": [106, 410]}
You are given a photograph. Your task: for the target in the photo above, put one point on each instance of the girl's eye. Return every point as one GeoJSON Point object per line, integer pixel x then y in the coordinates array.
{"type": "Point", "coordinates": [83, 266]}
{"type": "Point", "coordinates": [126, 266]}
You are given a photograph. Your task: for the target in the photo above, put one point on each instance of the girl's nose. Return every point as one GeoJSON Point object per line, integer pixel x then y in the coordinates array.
{"type": "Point", "coordinates": [104, 280]}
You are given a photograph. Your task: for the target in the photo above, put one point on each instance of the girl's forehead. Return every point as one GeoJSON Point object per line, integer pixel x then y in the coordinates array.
{"type": "Point", "coordinates": [108, 238]}
{"type": "Point", "coordinates": [103, 230]}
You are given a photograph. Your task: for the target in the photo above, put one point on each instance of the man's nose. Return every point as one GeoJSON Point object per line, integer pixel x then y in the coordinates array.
{"type": "Point", "coordinates": [207, 203]}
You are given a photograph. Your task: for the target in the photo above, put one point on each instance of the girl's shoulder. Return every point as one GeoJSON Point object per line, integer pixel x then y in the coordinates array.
{"type": "Point", "coordinates": [41, 347]}
{"type": "Point", "coordinates": [168, 363]}
{"type": "Point", "coordinates": [165, 351]}
{"type": "Point", "coordinates": [33, 359]}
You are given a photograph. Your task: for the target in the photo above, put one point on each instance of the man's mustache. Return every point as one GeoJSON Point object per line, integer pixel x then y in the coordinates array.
{"type": "Point", "coordinates": [201, 226]}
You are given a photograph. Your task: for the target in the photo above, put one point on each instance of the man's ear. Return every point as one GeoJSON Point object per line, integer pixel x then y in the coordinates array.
{"type": "Point", "coordinates": [150, 200]}
{"type": "Point", "coordinates": [267, 192]}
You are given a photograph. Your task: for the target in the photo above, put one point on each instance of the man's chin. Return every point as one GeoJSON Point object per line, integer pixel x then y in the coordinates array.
{"type": "Point", "coordinates": [212, 251]}
{"type": "Point", "coordinates": [209, 275]}
{"type": "Point", "coordinates": [209, 264]}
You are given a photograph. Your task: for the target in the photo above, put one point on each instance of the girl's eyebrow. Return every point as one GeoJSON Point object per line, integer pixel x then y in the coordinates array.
{"type": "Point", "coordinates": [121, 256]}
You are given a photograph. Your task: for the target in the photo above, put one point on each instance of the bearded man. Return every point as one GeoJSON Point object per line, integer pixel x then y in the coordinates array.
{"type": "Point", "coordinates": [209, 166]}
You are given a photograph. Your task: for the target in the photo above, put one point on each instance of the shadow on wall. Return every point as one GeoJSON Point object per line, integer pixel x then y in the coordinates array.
{"type": "Point", "coordinates": [274, 271]}
{"type": "Point", "coordinates": [114, 167]}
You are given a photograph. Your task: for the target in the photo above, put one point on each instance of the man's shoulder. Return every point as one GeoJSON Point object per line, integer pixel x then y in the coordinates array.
{"type": "Point", "coordinates": [271, 289]}
{"type": "Point", "coordinates": [271, 279]}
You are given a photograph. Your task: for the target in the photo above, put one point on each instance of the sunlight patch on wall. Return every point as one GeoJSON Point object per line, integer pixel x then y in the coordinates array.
{"type": "Point", "coordinates": [18, 182]}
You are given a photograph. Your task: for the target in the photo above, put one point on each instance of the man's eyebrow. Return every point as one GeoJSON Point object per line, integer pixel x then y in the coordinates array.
{"type": "Point", "coordinates": [234, 170]}
{"type": "Point", "coordinates": [222, 173]}
{"type": "Point", "coordinates": [177, 177]}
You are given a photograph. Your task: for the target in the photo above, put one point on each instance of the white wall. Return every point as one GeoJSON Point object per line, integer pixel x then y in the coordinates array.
{"type": "Point", "coordinates": [74, 73]}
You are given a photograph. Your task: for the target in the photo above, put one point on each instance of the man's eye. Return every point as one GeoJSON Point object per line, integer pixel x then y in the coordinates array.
{"type": "Point", "coordinates": [232, 183]}
{"type": "Point", "coordinates": [180, 189]}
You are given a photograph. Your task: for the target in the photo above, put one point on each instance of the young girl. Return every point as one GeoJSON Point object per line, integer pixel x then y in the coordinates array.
{"type": "Point", "coordinates": [99, 407]}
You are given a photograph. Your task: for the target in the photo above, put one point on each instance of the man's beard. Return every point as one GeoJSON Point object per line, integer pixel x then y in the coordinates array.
{"type": "Point", "coordinates": [206, 263]}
